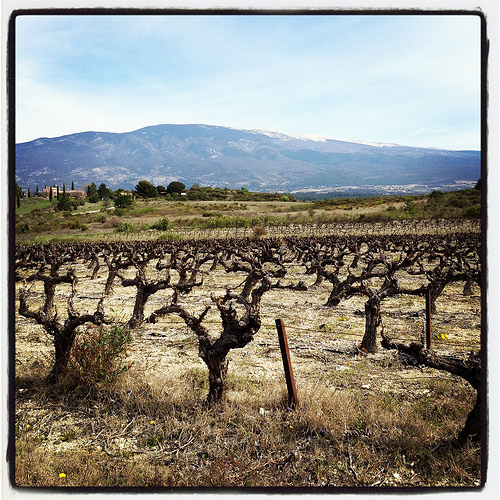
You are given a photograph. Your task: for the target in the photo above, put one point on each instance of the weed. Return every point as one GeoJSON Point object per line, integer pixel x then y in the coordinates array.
{"type": "Point", "coordinates": [154, 439]}
{"type": "Point", "coordinates": [68, 435]}
{"type": "Point", "coordinates": [98, 356]}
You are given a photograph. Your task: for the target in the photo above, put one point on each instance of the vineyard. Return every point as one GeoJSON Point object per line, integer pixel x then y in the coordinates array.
{"type": "Point", "coordinates": [156, 363]}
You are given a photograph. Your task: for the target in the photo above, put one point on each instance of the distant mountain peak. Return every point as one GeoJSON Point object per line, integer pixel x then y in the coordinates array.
{"type": "Point", "coordinates": [261, 159]}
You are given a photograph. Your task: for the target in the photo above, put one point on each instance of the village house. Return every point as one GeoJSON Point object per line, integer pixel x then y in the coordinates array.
{"type": "Point", "coordinates": [73, 193]}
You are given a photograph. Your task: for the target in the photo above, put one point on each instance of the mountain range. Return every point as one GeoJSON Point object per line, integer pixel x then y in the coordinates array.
{"type": "Point", "coordinates": [260, 160]}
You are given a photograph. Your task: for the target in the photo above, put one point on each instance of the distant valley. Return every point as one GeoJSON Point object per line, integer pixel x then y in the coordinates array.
{"type": "Point", "coordinates": [260, 160]}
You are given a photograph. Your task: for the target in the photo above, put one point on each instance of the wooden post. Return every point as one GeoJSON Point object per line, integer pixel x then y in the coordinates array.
{"type": "Point", "coordinates": [287, 365]}
{"type": "Point", "coordinates": [428, 317]}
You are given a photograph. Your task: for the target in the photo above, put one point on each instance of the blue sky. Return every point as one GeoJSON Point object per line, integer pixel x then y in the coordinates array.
{"type": "Point", "coordinates": [411, 80]}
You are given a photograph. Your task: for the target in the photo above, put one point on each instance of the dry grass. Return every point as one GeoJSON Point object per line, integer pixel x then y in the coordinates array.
{"type": "Point", "coordinates": [361, 421]}
{"type": "Point", "coordinates": [161, 434]}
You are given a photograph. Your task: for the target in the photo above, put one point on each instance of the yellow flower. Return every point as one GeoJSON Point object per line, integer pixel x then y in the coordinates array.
{"type": "Point", "coordinates": [62, 474]}
{"type": "Point", "coordinates": [152, 422]}
{"type": "Point", "coordinates": [291, 427]}
{"type": "Point", "coordinates": [28, 426]}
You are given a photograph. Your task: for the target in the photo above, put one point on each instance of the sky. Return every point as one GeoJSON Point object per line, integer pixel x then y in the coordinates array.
{"type": "Point", "coordinates": [404, 79]}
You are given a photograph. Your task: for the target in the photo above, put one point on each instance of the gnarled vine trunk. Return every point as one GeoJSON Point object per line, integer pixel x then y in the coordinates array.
{"type": "Point", "coordinates": [217, 374]}
{"type": "Point", "coordinates": [469, 369]}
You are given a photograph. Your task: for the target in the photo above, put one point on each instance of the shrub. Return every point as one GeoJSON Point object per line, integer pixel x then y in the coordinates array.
{"type": "Point", "coordinates": [101, 219]}
{"type": "Point", "coordinates": [98, 357]}
{"type": "Point", "coordinates": [169, 237]}
{"type": "Point", "coordinates": [124, 227]}
{"type": "Point", "coordinates": [94, 198]}
{"type": "Point", "coordinates": [410, 207]}
{"type": "Point", "coordinates": [161, 224]}
{"type": "Point", "coordinates": [437, 193]}
{"type": "Point", "coordinates": [474, 211]}
{"type": "Point", "coordinates": [76, 224]}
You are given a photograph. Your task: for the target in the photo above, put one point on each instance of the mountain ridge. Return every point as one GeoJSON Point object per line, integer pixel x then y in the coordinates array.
{"type": "Point", "coordinates": [210, 155]}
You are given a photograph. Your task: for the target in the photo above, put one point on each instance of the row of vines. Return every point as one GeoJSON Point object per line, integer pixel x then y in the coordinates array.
{"type": "Point", "coordinates": [64, 286]}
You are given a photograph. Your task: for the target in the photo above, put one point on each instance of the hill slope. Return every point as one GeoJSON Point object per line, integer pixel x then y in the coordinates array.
{"type": "Point", "coordinates": [260, 160]}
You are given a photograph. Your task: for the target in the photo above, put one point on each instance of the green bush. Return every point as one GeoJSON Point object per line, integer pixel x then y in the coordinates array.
{"type": "Point", "coordinates": [474, 211]}
{"type": "Point", "coordinates": [169, 237]}
{"type": "Point", "coordinates": [410, 207]}
{"type": "Point", "coordinates": [161, 224]}
{"type": "Point", "coordinates": [76, 224]}
{"type": "Point", "coordinates": [124, 227]}
{"type": "Point", "coordinates": [94, 198]}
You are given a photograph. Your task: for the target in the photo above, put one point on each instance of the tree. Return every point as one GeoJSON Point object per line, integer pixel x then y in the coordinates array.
{"type": "Point", "coordinates": [92, 195]}
{"type": "Point", "coordinates": [64, 202]}
{"type": "Point", "coordinates": [57, 192]}
{"type": "Point", "coordinates": [72, 186]}
{"type": "Point", "coordinates": [123, 200]}
{"type": "Point", "coordinates": [91, 189]}
{"type": "Point", "coordinates": [176, 187]}
{"type": "Point", "coordinates": [437, 193]}
{"type": "Point", "coordinates": [103, 191]}
{"type": "Point", "coordinates": [145, 189]}
{"type": "Point", "coordinates": [161, 189]}
{"type": "Point", "coordinates": [50, 195]}
{"type": "Point", "coordinates": [410, 207]}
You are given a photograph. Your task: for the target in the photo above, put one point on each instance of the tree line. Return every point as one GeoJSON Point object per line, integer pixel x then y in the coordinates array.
{"type": "Point", "coordinates": [144, 189]}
